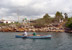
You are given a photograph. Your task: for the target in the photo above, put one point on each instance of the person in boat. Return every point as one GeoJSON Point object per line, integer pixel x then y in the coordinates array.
{"type": "Point", "coordinates": [25, 33]}
{"type": "Point", "coordinates": [34, 34]}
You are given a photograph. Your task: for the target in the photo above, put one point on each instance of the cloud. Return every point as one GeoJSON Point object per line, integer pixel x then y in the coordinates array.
{"type": "Point", "coordinates": [33, 9]}
{"type": "Point", "coordinates": [21, 2]}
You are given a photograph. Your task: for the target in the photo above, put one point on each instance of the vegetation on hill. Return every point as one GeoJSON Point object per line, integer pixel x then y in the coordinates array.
{"type": "Point", "coordinates": [69, 23]}
{"type": "Point", "coordinates": [42, 22]}
{"type": "Point", "coordinates": [48, 19]}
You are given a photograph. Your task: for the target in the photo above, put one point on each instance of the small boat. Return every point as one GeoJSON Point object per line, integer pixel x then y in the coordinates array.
{"type": "Point", "coordinates": [34, 37]}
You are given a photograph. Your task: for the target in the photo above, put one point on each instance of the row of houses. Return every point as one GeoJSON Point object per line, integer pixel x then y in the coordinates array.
{"type": "Point", "coordinates": [6, 21]}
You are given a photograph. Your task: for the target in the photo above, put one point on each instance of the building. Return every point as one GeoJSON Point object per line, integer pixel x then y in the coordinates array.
{"type": "Point", "coordinates": [6, 21]}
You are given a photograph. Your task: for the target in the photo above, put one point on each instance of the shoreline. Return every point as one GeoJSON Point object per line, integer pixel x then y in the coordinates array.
{"type": "Point", "coordinates": [10, 29]}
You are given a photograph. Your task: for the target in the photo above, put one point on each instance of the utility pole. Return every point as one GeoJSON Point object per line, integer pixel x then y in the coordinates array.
{"type": "Point", "coordinates": [18, 15]}
{"type": "Point", "coordinates": [18, 19]}
{"type": "Point", "coordinates": [2, 17]}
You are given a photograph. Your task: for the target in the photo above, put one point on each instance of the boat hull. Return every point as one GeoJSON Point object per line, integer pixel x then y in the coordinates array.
{"type": "Point", "coordinates": [34, 37]}
{"type": "Point", "coordinates": [19, 36]}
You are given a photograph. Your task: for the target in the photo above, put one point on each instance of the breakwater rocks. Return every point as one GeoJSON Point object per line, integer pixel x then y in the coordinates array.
{"type": "Point", "coordinates": [22, 29]}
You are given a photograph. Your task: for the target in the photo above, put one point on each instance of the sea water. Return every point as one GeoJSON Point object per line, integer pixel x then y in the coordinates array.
{"type": "Point", "coordinates": [59, 41]}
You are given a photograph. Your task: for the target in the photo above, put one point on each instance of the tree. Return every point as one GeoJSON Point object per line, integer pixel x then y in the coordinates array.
{"type": "Point", "coordinates": [58, 16]}
{"type": "Point", "coordinates": [66, 16]}
{"type": "Point", "coordinates": [46, 16]}
{"type": "Point", "coordinates": [69, 23]}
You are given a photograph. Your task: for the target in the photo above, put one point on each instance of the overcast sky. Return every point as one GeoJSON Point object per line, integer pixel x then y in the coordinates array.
{"type": "Point", "coordinates": [33, 9]}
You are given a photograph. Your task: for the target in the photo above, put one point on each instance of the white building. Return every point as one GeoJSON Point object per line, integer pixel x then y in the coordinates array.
{"type": "Point", "coordinates": [6, 21]}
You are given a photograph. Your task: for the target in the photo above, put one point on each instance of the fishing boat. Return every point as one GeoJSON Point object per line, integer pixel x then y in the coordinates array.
{"type": "Point", "coordinates": [34, 37]}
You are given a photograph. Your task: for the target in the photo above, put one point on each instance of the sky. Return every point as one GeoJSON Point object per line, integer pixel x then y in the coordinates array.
{"type": "Point", "coordinates": [33, 9]}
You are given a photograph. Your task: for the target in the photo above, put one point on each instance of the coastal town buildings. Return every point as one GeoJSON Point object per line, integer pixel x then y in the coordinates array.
{"type": "Point", "coordinates": [6, 21]}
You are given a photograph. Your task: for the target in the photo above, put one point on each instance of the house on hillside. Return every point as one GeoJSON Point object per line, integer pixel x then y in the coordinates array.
{"type": "Point", "coordinates": [6, 21]}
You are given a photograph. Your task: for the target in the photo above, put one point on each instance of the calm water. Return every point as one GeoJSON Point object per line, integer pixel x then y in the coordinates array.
{"type": "Point", "coordinates": [59, 41]}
